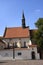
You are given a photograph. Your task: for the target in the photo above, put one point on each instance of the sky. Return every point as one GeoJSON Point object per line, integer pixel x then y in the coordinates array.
{"type": "Point", "coordinates": [11, 13]}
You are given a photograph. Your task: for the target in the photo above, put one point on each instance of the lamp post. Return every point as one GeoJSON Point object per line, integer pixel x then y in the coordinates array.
{"type": "Point", "coordinates": [13, 51]}
{"type": "Point", "coordinates": [12, 42]}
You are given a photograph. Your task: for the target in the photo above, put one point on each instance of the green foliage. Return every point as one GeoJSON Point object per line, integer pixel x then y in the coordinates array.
{"type": "Point", "coordinates": [38, 36]}
{"type": "Point", "coordinates": [39, 23]}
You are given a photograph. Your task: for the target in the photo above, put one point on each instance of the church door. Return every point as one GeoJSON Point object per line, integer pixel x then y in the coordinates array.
{"type": "Point", "coordinates": [33, 55]}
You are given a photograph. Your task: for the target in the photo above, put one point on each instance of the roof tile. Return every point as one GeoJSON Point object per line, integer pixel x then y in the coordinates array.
{"type": "Point", "coordinates": [17, 32]}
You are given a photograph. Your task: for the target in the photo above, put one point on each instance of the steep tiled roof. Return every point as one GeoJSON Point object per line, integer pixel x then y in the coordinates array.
{"type": "Point", "coordinates": [16, 32]}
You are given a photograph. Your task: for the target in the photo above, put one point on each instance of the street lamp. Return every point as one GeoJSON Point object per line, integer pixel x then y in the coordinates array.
{"type": "Point", "coordinates": [12, 42]}
{"type": "Point", "coordinates": [13, 51]}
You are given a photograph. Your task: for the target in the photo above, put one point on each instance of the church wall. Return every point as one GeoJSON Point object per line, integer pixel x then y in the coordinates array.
{"type": "Point", "coordinates": [6, 54]}
{"type": "Point", "coordinates": [22, 40]}
{"type": "Point", "coordinates": [24, 53]}
{"type": "Point", "coordinates": [34, 49]}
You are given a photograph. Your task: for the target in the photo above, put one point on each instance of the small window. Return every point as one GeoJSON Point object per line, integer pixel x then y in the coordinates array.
{"type": "Point", "coordinates": [19, 53]}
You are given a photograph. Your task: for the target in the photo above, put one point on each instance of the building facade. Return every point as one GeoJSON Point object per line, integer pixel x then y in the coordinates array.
{"type": "Point", "coordinates": [18, 43]}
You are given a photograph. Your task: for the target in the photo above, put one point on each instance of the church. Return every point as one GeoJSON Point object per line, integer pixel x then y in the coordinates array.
{"type": "Point", "coordinates": [16, 43]}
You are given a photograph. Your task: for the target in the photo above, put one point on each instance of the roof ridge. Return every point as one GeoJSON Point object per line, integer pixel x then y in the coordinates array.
{"type": "Point", "coordinates": [14, 27]}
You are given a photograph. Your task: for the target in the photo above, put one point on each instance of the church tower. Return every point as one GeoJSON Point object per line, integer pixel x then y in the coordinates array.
{"type": "Point", "coordinates": [23, 21]}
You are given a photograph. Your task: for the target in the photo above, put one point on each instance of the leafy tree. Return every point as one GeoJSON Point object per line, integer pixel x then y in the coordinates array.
{"type": "Point", "coordinates": [38, 36]}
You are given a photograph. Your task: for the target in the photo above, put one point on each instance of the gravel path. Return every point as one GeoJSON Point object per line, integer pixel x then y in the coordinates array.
{"type": "Point", "coordinates": [22, 62]}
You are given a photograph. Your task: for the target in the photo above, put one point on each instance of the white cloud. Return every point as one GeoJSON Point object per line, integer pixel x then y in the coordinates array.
{"type": "Point", "coordinates": [37, 10]}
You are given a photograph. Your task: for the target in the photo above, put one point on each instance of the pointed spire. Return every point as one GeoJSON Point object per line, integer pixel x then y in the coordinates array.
{"type": "Point", "coordinates": [23, 17]}
{"type": "Point", "coordinates": [23, 20]}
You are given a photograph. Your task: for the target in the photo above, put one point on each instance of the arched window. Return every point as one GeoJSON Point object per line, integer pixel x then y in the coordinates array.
{"type": "Point", "coordinates": [15, 45]}
{"type": "Point", "coordinates": [24, 44]}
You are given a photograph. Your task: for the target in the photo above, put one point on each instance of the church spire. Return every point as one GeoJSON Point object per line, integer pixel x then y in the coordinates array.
{"type": "Point", "coordinates": [23, 20]}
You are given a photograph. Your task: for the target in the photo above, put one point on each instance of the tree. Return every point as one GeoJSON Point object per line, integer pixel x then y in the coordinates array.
{"type": "Point", "coordinates": [38, 36]}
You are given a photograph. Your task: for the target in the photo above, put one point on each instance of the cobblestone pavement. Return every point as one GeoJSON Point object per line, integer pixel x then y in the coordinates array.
{"type": "Point", "coordinates": [22, 62]}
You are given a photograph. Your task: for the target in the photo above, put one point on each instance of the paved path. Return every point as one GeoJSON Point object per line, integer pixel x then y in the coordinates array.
{"type": "Point", "coordinates": [22, 62]}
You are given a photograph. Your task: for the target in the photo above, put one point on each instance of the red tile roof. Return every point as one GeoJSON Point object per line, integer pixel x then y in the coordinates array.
{"type": "Point", "coordinates": [16, 32]}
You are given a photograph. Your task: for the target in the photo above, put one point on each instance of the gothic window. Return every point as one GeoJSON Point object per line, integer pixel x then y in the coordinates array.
{"type": "Point", "coordinates": [15, 44]}
{"type": "Point", "coordinates": [24, 44]}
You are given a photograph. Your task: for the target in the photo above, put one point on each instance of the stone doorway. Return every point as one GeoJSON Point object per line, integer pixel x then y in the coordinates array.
{"type": "Point", "coordinates": [33, 55]}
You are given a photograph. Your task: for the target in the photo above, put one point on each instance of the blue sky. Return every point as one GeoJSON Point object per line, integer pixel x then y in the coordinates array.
{"type": "Point", "coordinates": [11, 13]}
